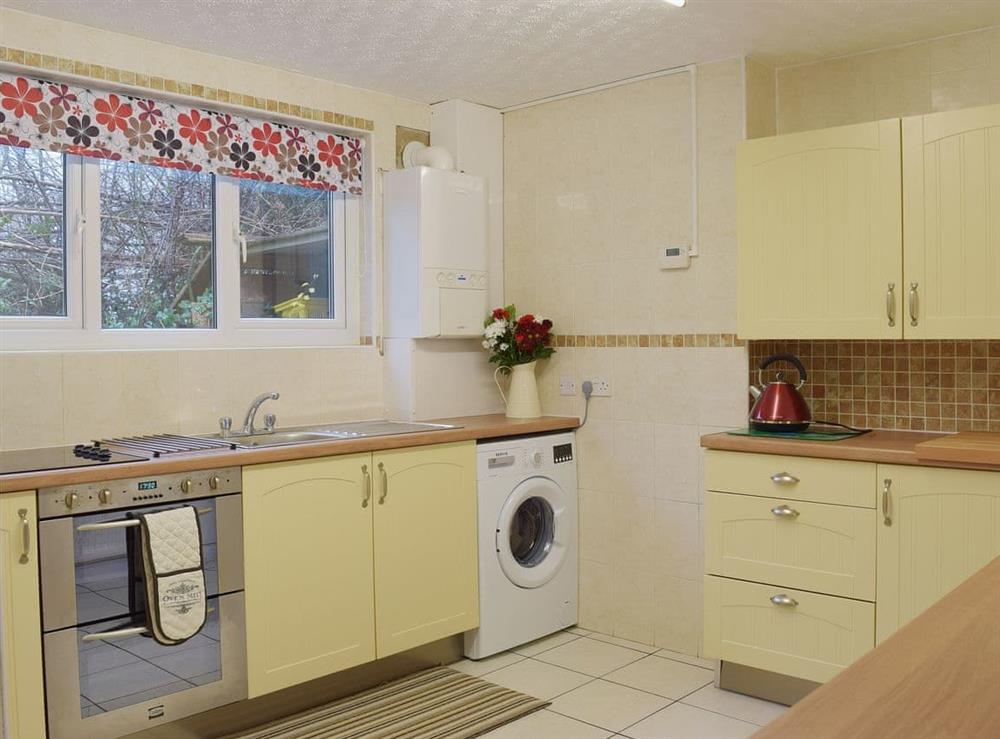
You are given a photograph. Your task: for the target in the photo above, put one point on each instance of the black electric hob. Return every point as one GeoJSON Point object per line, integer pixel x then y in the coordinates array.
{"type": "Point", "coordinates": [61, 458]}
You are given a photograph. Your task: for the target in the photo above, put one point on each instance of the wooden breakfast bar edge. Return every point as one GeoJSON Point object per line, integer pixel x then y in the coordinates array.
{"type": "Point", "coordinates": [938, 676]}
{"type": "Point", "coordinates": [473, 428]}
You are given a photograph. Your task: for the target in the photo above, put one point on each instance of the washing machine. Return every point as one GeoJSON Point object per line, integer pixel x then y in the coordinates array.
{"type": "Point", "coordinates": [528, 534]}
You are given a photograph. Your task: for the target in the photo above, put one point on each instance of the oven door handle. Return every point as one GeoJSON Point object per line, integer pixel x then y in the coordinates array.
{"type": "Point", "coordinates": [125, 523]}
{"type": "Point", "coordinates": [123, 633]}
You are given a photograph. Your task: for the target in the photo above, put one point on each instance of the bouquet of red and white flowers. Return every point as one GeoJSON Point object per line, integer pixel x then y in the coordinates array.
{"type": "Point", "coordinates": [517, 340]}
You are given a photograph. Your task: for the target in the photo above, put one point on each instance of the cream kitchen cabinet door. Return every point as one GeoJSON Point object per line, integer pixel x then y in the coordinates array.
{"type": "Point", "coordinates": [22, 696]}
{"type": "Point", "coordinates": [951, 217]}
{"type": "Point", "coordinates": [791, 632]}
{"type": "Point", "coordinates": [426, 572]}
{"type": "Point", "coordinates": [819, 230]}
{"type": "Point", "coordinates": [811, 546]}
{"type": "Point", "coordinates": [936, 528]}
{"type": "Point", "coordinates": [308, 555]}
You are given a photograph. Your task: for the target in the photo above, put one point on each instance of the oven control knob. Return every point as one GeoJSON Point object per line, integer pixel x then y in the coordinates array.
{"type": "Point", "coordinates": [213, 482]}
{"type": "Point", "coordinates": [71, 500]}
{"type": "Point", "coordinates": [104, 496]}
{"type": "Point", "coordinates": [186, 485]}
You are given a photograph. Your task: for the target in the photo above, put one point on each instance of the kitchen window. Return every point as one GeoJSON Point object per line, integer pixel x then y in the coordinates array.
{"type": "Point", "coordinates": [105, 253]}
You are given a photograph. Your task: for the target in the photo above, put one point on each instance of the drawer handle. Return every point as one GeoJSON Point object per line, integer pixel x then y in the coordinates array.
{"type": "Point", "coordinates": [890, 303]}
{"type": "Point", "coordinates": [783, 478]}
{"type": "Point", "coordinates": [783, 511]}
{"type": "Point", "coordinates": [784, 601]}
{"type": "Point", "coordinates": [886, 501]}
{"type": "Point", "coordinates": [385, 483]}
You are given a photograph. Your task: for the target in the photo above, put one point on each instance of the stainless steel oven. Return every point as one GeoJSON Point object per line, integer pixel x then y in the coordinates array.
{"type": "Point", "coordinates": [105, 676]}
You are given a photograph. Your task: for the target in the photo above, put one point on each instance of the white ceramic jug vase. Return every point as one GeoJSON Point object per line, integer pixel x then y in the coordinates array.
{"type": "Point", "coordinates": [521, 397]}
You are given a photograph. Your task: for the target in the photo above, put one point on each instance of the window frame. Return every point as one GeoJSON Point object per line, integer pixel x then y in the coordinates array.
{"type": "Point", "coordinates": [82, 327]}
{"type": "Point", "coordinates": [73, 226]}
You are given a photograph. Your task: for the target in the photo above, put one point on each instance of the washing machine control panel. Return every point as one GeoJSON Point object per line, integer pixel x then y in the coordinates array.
{"type": "Point", "coordinates": [519, 458]}
{"type": "Point", "coordinates": [562, 453]}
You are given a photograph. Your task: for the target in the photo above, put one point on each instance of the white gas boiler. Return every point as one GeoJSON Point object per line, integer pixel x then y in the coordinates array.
{"type": "Point", "coordinates": [435, 226]}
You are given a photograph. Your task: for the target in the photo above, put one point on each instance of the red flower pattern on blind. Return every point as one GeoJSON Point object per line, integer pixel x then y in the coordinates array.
{"type": "Point", "coordinates": [113, 125]}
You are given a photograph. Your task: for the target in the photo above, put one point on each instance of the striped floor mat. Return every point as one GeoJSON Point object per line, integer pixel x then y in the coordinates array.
{"type": "Point", "coordinates": [439, 703]}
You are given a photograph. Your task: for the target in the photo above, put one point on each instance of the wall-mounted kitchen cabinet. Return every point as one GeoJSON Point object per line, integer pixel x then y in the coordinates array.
{"type": "Point", "coordinates": [878, 230]}
{"type": "Point", "coordinates": [820, 242]}
{"type": "Point", "coordinates": [22, 696]}
{"type": "Point", "coordinates": [357, 557]}
{"type": "Point", "coordinates": [951, 209]}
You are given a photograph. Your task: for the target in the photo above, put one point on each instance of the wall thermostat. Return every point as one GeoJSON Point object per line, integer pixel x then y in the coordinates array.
{"type": "Point", "coordinates": [675, 256]}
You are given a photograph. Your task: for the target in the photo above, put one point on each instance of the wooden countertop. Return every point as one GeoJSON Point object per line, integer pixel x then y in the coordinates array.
{"type": "Point", "coordinates": [935, 677]}
{"type": "Point", "coordinates": [472, 428]}
{"type": "Point", "coordinates": [887, 447]}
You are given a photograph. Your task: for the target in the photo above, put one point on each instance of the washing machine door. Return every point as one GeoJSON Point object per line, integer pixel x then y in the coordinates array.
{"type": "Point", "coordinates": [532, 532]}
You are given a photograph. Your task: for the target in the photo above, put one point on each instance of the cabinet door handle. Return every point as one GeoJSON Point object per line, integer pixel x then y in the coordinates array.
{"type": "Point", "coordinates": [914, 303]}
{"type": "Point", "coordinates": [366, 486]}
{"type": "Point", "coordinates": [783, 600]}
{"type": "Point", "coordinates": [25, 536]}
{"type": "Point", "coordinates": [886, 491]}
{"type": "Point", "coordinates": [890, 303]}
{"type": "Point", "coordinates": [783, 511]}
{"type": "Point", "coordinates": [783, 478]}
{"type": "Point", "coordinates": [385, 483]}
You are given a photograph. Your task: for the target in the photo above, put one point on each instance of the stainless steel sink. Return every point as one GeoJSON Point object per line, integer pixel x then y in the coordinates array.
{"type": "Point", "coordinates": [361, 429]}
{"type": "Point", "coordinates": [275, 438]}
{"type": "Point", "coordinates": [332, 432]}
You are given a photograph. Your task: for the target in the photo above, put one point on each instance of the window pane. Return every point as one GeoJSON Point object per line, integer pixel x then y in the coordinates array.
{"type": "Point", "coordinates": [287, 270]}
{"type": "Point", "coordinates": [32, 238]}
{"type": "Point", "coordinates": [157, 247]}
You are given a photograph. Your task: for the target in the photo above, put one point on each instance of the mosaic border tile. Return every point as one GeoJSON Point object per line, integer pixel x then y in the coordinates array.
{"type": "Point", "coordinates": [907, 385]}
{"type": "Point", "coordinates": [650, 341]}
{"type": "Point", "coordinates": [190, 89]}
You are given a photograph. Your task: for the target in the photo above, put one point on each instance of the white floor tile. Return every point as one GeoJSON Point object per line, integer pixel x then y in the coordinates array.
{"type": "Point", "coordinates": [537, 678]}
{"type": "Point", "coordinates": [546, 642]}
{"type": "Point", "coordinates": [546, 725]}
{"type": "Point", "coordinates": [590, 656]}
{"type": "Point", "coordinates": [736, 705]}
{"type": "Point", "coordinates": [638, 646]}
{"type": "Point", "coordinates": [708, 664]}
{"type": "Point", "coordinates": [608, 705]}
{"type": "Point", "coordinates": [479, 667]}
{"type": "Point", "coordinates": [680, 721]}
{"type": "Point", "coordinates": [578, 631]}
{"type": "Point", "coordinates": [662, 676]}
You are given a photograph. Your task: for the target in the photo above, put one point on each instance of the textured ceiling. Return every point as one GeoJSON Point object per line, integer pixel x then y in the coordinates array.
{"type": "Point", "coordinates": [504, 52]}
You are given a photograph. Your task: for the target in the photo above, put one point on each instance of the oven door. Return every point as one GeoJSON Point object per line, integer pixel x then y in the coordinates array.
{"type": "Point", "coordinates": [110, 678]}
{"type": "Point", "coordinates": [104, 581]}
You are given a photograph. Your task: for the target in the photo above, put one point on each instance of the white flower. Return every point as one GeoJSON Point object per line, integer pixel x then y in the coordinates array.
{"type": "Point", "coordinates": [487, 345]}
{"type": "Point", "coordinates": [496, 329]}
{"type": "Point", "coordinates": [504, 347]}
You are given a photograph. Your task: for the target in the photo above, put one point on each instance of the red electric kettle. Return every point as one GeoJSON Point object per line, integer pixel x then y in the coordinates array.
{"type": "Point", "coordinates": [779, 405]}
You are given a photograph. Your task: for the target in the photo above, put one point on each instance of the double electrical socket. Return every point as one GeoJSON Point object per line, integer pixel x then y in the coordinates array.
{"type": "Point", "coordinates": [602, 386]}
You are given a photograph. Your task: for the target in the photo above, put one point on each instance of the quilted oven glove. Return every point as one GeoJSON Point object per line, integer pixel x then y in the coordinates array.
{"type": "Point", "coordinates": [175, 580]}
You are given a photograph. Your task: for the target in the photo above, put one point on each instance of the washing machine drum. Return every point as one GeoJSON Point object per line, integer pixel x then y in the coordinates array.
{"type": "Point", "coordinates": [532, 533]}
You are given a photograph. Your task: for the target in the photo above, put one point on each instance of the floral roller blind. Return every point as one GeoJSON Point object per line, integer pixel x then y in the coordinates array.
{"type": "Point", "coordinates": [112, 125]}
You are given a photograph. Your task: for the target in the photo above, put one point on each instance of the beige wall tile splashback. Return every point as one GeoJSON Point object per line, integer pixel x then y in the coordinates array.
{"type": "Point", "coordinates": [51, 398]}
{"type": "Point", "coordinates": [946, 73]}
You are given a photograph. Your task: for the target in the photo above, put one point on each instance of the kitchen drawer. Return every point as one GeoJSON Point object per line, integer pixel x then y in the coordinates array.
{"type": "Point", "coordinates": [796, 478]}
{"type": "Point", "coordinates": [813, 546]}
{"type": "Point", "coordinates": [812, 637]}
